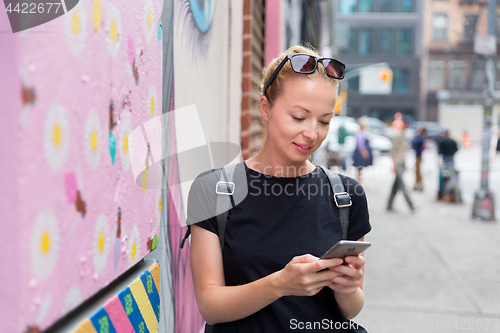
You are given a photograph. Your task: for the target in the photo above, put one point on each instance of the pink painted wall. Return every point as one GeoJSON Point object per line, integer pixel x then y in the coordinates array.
{"type": "Point", "coordinates": [9, 191]}
{"type": "Point", "coordinates": [274, 30]}
{"type": "Point", "coordinates": [71, 91]}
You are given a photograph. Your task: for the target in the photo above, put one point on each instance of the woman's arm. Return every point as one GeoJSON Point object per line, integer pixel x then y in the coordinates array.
{"type": "Point", "coordinates": [220, 303]}
{"type": "Point", "coordinates": [349, 287]}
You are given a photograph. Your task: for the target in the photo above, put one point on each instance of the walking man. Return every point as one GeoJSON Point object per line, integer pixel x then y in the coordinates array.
{"type": "Point", "coordinates": [398, 153]}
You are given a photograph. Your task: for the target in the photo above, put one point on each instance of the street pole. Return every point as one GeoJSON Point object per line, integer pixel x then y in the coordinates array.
{"type": "Point", "coordinates": [484, 200]}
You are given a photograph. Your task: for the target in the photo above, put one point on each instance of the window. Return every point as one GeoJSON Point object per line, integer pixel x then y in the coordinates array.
{"type": "Point", "coordinates": [365, 41]}
{"type": "Point", "coordinates": [386, 6]}
{"type": "Point", "coordinates": [405, 6]}
{"type": "Point", "coordinates": [477, 74]}
{"type": "Point", "coordinates": [440, 27]}
{"type": "Point", "coordinates": [386, 41]}
{"type": "Point", "coordinates": [436, 74]}
{"type": "Point", "coordinates": [404, 41]}
{"type": "Point", "coordinates": [456, 75]}
{"type": "Point", "coordinates": [353, 85]}
{"type": "Point", "coordinates": [469, 23]}
{"type": "Point", "coordinates": [351, 45]}
{"type": "Point", "coordinates": [401, 81]}
{"type": "Point", "coordinates": [366, 6]}
{"type": "Point", "coordinates": [347, 6]}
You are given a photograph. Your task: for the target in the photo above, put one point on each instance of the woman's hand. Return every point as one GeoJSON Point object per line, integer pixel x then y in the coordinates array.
{"type": "Point", "coordinates": [304, 275]}
{"type": "Point", "coordinates": [350, 275]}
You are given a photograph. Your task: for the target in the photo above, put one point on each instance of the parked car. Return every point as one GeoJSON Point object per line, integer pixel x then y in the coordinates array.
{"type": "Point", "coordinates": [378, 143]}
{"type": "Point", "coordinates": [374, 125]}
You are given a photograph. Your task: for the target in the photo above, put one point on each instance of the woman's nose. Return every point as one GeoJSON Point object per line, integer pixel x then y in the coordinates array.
{"type": "Point", "coordinates": [311, 132]}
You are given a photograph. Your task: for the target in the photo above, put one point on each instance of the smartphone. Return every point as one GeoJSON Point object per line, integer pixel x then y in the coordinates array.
{"type": "Point", "coordinates": [346, 248]}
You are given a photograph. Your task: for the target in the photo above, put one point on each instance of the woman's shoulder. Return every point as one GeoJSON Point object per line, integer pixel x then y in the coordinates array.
{"type": "Point", "coordinates": [352, 186]}
{"type": "Point", "coordinates": [206, 180]}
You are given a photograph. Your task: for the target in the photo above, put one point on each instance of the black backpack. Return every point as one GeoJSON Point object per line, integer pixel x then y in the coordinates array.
{"type": "Point", "coordinates": [225, 189]}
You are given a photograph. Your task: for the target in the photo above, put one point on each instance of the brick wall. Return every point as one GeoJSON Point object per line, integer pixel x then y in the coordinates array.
{"type": "Point", "coordinates": [253, 62]}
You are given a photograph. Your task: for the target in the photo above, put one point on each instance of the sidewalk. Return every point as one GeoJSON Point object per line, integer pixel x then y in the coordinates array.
{"type": "Point", "coordinates": [436, 270]}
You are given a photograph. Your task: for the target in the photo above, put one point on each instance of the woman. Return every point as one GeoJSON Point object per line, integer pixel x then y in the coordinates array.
{"type": "Point", "coordinates": [275, 236]}
{"type": "Point", "coordinates": [362, 156]}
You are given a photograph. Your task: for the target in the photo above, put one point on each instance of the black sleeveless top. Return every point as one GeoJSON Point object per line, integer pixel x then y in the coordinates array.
{"type": "Point", "coordinates": [279, 219]}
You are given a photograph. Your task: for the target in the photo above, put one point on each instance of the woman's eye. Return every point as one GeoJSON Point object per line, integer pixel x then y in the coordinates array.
{"type": "Point", "coordinates": [326, 123]}
{"type": "Point", "coordinates": [297, 118]}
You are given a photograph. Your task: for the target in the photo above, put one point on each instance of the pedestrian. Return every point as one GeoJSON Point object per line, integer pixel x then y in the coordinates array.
{"type": "Point", "coordinates": [362, 156]}
{"type": "Point", "coordinates": [268, 276]}
{"type": "Point", "coordinates": [447, 148]}
{"type": "Point", "coordinates": [398, 153]}
{"type": "Point", "coordinates": [418, 144]}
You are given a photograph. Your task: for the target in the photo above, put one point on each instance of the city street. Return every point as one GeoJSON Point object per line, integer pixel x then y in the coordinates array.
{"type": "Point", "coordinates": [436, 270]}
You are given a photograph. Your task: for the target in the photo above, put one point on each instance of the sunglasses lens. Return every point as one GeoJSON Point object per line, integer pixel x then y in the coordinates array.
{"type": "Point", "coordinates": [334, 68]}
{"type": "Point", "coordinates": [303, 63]}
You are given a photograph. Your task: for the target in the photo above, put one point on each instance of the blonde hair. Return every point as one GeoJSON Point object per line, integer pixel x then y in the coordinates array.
{"type": "Point", "coordinates": [276, 88]}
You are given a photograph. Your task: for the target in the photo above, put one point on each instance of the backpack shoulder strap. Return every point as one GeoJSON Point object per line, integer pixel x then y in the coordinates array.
{"type": "Point", "coordinates": [341, 198]}
{"type": "Point", "coordinates": [225, 189]}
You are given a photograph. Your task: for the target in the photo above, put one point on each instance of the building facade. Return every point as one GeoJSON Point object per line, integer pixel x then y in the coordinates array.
{"type": "Point", "coordinates": [368, 32]}
{"type": "Point", "coordinates": [452, 73]}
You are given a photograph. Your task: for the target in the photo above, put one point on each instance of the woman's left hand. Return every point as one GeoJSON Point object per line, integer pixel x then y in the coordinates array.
{"type": "Point", "coordinates": [352, 273]}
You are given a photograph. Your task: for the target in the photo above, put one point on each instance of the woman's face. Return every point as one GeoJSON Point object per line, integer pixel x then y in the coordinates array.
{"type": "Point", "coordinates": [298, 121]}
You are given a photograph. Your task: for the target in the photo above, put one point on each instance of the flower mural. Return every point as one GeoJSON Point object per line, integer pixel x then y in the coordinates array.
{"type": "Point", "coordinates": [134, 248]}
{"type": "Point", "coordinates": [125, 129]}
{"type": "Point", "coordinates": [96, 14]}
{"type": "Point", "coordinates": [76, 28]}
{"type": "Point", "coordinates": [101, 243]}
{"type": "Point", "coordinates": [72, 299]}
{"type": "Point", "coordinates": [56, 137]}
{"type": "Point", "coordinates": [149, 19]}
{"type": "Point", "coordinates": [93, 140]}
{"type": "Point", "coordinates": [152, 101]}
{"type": "Point", "coordinates": [113, 30]}
{"type": "Point", "coordinates": [44, 244]}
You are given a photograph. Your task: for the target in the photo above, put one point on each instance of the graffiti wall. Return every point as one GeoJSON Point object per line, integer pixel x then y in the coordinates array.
{"type": "Point", "coordinates": [76, 87]}
{"type": "Point", "coordinates": [73, 90]}
{"type": "Point", "coordinates": [205, 60]}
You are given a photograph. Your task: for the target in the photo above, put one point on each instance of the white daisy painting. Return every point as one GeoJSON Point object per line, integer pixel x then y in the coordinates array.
{"type": "Point", "coordinates": [152, 101]}
{"type": "Point", "coordinates": [113, 25]}
{"type": "Point", "coordinates": [44, 244]}
{"type": "Point", "coordinates": [134, 249]}
{"type": "Point", "coordinates": [125, 129]}
{"type": "Point", "coordinates": [72, 299]}
{"type": "Point", "coordinates": [101, 244]}
{"type": "Point", "coordinates": [158, 210]}
{"type": "Point", "coordinates": [149, 19]}
{"type": "Point", "coordinates": [96, 14]}
{"type": "Point", "coordinates": [56, 137]}
{"type": "Point", "coordinates": [93, 140]}
{"type": "Point", "coordinates": [76, 28]}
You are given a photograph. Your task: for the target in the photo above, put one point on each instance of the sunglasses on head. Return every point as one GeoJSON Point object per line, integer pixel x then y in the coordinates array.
{"type": "Point", "coordinates": [303, 63]}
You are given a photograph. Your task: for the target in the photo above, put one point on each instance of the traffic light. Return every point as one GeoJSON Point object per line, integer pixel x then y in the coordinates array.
{"type": "Point", "coordinates": [340, 102]}
{"type": "Point", "coordinates": [385, 75]}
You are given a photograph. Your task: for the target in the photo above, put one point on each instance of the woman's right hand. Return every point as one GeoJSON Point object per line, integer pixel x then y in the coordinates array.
{"type": "Point", "coordinates": [305, 275]}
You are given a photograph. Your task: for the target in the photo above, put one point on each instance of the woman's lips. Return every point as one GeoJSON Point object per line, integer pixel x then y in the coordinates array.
{"type": "Point", "coordinates": [303, 148]}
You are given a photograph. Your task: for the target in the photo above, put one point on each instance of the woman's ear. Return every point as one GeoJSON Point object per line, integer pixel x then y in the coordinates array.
{"type": "Point", "coordinates": [264, 108]}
